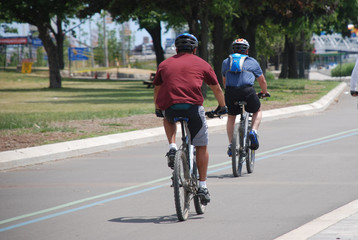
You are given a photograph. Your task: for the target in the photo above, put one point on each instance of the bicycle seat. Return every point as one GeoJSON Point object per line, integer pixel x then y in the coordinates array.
{"type": "Point", "coordinates": [177, 119]}
{"type": "Point", "coordinates": [242, 103]}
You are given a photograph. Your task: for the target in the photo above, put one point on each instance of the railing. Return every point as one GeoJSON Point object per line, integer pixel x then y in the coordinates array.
{"type": "Point", "coordinates": [334, 42]}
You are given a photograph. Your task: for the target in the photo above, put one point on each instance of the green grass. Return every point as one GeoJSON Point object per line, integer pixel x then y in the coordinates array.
{"type": "Point", "coordinates": [26, 100]}
{"type": "Point", "coordinates": [150, 64]}
{"type": "Point", "coordinates": [289, 92]}
{"type": "Point", "coordinates": [297, 91]}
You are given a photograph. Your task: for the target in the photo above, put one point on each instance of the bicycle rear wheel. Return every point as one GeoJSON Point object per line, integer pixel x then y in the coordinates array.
{"type": "Point", "coordinates": [235, 151]}
{"type": "Point", "coordinates": [243, 139]}
{"type": "Point", "coordinates": [199, 208]}
{"type": "Point", "coordinates": [250, 160]}
{"type": "Point", "coordinates": [181, 180]}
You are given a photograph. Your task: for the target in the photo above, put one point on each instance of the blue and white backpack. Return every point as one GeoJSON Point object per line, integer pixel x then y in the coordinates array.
{"type": "Point", "coordinates": [236, 62]}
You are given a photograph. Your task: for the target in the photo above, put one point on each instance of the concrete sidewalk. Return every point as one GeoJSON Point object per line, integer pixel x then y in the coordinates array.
{"type": "Point", "coordinates": [341, 224]}
{"type": "Point", "coordinates": [50, 152]}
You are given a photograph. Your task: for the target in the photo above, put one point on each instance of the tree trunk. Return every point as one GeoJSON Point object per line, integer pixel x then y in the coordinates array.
{"type": "Point", "coordinates": [251, 37]}
{"type": "Point", "coordinates": [51, 50]}
{"type": "Point", "coordinates": [284, 69]}
{"type": "Point", "coordinates": [204, 37]}
{"type": "Point", "coordinates": [155, 33]}
{"type": "Point", "coordinates": [246, 28]}
{"type": "Point", "coordinates": [222, 46]}
{"type": "Point", "coordinates": [292, 59]}
{"type": "Point", "coordinates": [218, 39]}
{"type": "Point", "coordinates": [59, 41]}
{"type": "Point", "coordinates": [263, 64]}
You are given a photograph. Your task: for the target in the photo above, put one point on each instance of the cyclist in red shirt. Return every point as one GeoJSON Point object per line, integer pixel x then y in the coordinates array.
{"type": "Point", "coordinates": [177, 92]}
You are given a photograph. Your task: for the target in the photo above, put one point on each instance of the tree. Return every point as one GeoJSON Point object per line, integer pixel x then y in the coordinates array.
{"type": "Point", "coordinates": [48, 17]}
{"type": "Point", "coordinates": [294, 16]}
{"type": "Point", "coordinates": [151, 22]}
{"type": "Point", "coordinates": [346, 13]}
{"type": "Point", "coordinates": [222, 14]}
{"type": "Point", "coordinates": [145, 12]}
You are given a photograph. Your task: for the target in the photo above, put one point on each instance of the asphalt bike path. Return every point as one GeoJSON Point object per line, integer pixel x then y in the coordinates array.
{"type": "Point", "coordinates": [22, 220]}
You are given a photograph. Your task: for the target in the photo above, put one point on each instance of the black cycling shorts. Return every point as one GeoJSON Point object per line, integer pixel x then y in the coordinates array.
{"type": "Point", "coordinates": [247, 94]}
{"type": "Point", "coordinates": [197, 124]}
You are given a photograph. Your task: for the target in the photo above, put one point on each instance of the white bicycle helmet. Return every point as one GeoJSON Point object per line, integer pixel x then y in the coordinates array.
{"type": "Point", "coordinates": [240, 45]}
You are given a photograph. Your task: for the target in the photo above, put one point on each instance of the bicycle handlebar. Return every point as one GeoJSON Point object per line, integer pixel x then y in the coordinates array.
{"type": "Point", "coordinates": [212, 114]}
{"type": "Point", "coordinates": [262, 95]}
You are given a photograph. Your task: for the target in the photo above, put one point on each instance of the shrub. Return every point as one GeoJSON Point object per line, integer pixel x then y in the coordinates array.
{"type": "Point", "coordinates": [269, 76]}
{"type": "Point", "coordinates": [342, 70]}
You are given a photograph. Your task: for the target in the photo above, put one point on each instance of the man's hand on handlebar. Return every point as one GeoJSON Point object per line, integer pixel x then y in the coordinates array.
{"type": "Point", "coordinates": [218, 112]}
{"type": "Point", "coordinates": [221, 110]}
{"type": "Point", "coordinates": [263, 95]}
{"type": "Point", "coordinates": [159, 113]}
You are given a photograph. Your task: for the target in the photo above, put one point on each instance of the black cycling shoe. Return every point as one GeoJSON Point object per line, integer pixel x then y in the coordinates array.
{"type": "Point", "coordinates": [171, 157]}
{"type": "Point", "coordinates": [203, 194]}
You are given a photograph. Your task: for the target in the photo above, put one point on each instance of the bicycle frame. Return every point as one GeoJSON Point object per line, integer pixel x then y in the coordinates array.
{"type": "Point", "coordinates": [186, 142]}
{"type": "Point", "coordinates": [243, 129]}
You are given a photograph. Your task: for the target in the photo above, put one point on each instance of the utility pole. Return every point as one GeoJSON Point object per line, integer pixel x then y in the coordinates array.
{"type": "Point", "coordinates": [91, 45]}
{"type": "Point", "coordinates": [105, 40]}
{"type": "Point", "coordinates": [124, 63]}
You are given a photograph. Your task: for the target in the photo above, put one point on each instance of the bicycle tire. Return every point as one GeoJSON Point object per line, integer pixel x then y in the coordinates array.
{"type": "Point", "coordinates": [250, 160]}
{"type": "Point", "coordinates": [199, 208]}
{"type": "Point", "coordinates": [243, 132]}
{"type": "Point", "coordinates": [235, 151]}
{"type": "Point", "coordinates": [180, 182]}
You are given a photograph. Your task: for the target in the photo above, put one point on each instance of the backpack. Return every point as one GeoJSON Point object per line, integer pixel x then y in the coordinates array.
{"type": "Point", "coordinates": [236, 62]}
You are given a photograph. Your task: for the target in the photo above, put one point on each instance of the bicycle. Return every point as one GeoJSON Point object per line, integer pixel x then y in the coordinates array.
{"type": "Point", "coordinates": [240, 145]}
{"type": "Point", "coordinates": [185, 175]}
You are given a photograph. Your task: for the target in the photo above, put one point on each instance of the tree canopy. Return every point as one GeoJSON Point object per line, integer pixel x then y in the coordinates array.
{"type": "Point", "coordinates": [271, 26]}
{"type": "Point", "coordinates": [48, 16]}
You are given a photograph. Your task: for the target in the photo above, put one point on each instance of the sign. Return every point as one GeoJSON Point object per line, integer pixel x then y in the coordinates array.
{"type": "Point", "coordinates": [26, 66]}
{"type": "Point", "coordinates": [14, 40]}
{"type": "Point", "coordinates": [78, 54]}
{"type": "Point", "coordinates": [36, 42]}
{"type": "Point", "coordinates": [169, 42]}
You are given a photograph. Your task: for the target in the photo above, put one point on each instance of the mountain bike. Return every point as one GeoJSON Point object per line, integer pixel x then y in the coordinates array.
{"type": "Point", "coordinates": [185, 175]}
{"type": "Point", "coordinates": [240, 145]}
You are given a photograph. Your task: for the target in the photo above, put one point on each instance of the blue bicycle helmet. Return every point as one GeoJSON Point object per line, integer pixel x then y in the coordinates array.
{"type": "Point", "coordinates": [186, 41]}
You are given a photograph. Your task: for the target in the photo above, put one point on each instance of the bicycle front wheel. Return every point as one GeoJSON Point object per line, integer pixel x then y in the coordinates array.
{"type": "Point", "coordinates": [235, 145]}
{"type": "Point", "coordinates": [181, 180]}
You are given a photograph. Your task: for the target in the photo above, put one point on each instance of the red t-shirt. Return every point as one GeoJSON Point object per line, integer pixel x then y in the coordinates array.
{"type": "Point", "coordinates": [180, 78]}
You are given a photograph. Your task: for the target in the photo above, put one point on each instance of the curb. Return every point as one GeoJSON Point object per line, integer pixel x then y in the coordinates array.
{"type": "Point", "coordinates": [75, 148]}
